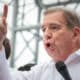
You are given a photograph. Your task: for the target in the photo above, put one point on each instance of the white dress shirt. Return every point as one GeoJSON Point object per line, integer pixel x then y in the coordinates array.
{"type": "Point", "coordinates": [41, 72]}
{"type": "Point", "coordinates": [4, 68]}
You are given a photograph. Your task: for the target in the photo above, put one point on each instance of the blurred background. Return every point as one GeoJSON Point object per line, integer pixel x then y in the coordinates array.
{"type": "Point", "coordinates": [24, 23]}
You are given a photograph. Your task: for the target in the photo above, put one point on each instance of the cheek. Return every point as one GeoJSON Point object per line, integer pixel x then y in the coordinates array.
{"type": "Point", "coordinates": [63, 41]}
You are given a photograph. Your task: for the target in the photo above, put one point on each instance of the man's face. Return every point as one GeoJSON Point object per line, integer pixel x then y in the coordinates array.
{"type": "Point", "coordinates": [57, 37]}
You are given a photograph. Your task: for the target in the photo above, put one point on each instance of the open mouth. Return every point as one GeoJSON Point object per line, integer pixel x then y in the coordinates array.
{"type": "Point", "coordinates": [47, 44]}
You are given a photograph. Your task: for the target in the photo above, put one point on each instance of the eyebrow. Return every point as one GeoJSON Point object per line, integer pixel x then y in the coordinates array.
{"type": "Point", "coordinates": [54, 24]}
{"type": "Point", "coordinates": [50, 24]}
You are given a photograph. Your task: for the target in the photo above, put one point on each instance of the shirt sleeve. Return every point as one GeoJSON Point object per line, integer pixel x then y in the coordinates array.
{"type": "Point", "coordinates": [7, 73]}
{"type": "Point", "coordinates": [4, 69]}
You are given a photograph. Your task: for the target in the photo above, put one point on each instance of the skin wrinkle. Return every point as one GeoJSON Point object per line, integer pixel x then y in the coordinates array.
{"type": "Point", "coordinates": [60, 37]}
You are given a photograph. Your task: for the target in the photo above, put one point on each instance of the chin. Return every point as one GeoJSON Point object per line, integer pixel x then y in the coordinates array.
{"type": "Point", "coordinates": [58, 58]}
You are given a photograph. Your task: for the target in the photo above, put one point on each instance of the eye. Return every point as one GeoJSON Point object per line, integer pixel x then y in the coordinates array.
{"type": "Point", "coordinates": [54, 27]}
{"type": "Point", "coordinates": [43, 28]}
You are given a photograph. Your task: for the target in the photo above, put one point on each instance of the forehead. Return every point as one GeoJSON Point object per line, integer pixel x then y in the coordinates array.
{"type": "Point", "coordinates": [54, 17]}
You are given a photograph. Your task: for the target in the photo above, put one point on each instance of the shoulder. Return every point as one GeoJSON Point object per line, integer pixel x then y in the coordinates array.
{"type": "Point", "coordinates": [42, 67]}
{"type": "Point", "coordinates": [35, 73]}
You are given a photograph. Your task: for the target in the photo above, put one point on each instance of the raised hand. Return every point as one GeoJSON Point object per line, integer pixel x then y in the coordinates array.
{"type": "Point", "coordinates": [3, 25]}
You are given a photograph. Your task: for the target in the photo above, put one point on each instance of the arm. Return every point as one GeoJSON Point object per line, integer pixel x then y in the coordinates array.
{"type": "Point", "coordinates": [4, 72]}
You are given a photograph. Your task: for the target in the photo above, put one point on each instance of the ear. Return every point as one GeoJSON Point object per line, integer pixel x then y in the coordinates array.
{"type": "Point", "coordinates": [76, 35]}
{"type": "Point", "coordinates": [76, 32]}
{"type": "Point", "coordinates": [76, 38]}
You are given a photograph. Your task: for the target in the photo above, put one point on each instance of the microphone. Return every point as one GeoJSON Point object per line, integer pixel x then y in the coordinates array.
{"type": "Point", "coordinates": [62, 69]}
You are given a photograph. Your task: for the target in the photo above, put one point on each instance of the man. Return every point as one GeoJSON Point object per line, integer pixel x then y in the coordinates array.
{"type": "Point", "coordinates": [61, 33]}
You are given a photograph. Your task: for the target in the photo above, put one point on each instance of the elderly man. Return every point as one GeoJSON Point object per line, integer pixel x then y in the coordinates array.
{"type": "Point", "coordinates": [61, 38]}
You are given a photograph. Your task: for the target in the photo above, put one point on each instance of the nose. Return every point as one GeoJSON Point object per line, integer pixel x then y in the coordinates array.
{"type": "Point", "coordinates": [47, 34]}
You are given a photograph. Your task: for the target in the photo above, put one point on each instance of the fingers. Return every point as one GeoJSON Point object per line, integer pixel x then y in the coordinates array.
{"type": "Point", "coordinates": [3, 27]}
{"type": "Point", "coordinates": [5, 10]}
{"type": "Point", "coordinates": [3, 24]}
{"type": "Point", "coordinates": [3, 32]}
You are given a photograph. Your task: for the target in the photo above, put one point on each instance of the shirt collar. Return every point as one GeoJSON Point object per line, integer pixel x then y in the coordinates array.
{"type": "Point", "coordinates": [73, 57]}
